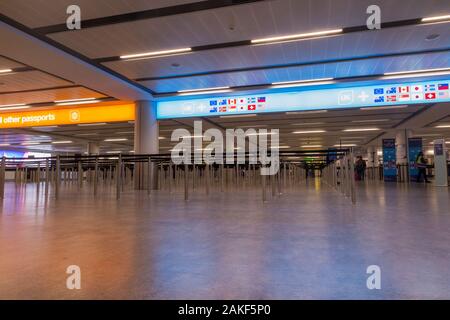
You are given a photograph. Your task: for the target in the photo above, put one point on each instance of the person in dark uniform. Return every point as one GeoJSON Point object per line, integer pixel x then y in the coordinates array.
{"type": "Point", "coordinates": [421, 164]}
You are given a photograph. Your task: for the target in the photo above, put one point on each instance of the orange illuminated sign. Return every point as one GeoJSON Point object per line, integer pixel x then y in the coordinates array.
{"type": "Point", "coordinates": [114, 113]}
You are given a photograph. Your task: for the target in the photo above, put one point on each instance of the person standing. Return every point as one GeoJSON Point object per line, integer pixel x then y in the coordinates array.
{"type": "Point", "coordinates": [421, 164]}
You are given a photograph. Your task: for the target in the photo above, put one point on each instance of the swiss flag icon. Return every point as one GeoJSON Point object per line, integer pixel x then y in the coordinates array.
{"type": "Point", "coordinates": [430, 95]}
{"type": "Point", "coordinates": [251, 107]}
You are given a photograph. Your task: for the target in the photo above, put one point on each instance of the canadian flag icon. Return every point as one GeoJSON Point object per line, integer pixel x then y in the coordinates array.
{"type": "Point", "coordinates": [403, 89]}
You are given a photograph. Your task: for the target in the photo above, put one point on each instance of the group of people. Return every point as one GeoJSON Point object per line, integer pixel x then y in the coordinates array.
{"type": "Point", "coordinates": [421, 165]}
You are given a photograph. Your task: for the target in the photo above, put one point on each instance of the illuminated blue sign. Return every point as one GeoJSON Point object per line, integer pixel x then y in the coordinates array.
{"type": "Point", "coordinates": [329, 98]}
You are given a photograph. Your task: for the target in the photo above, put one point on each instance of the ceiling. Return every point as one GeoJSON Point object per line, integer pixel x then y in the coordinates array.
{"type": "Point", "coordinates": [219, 33]}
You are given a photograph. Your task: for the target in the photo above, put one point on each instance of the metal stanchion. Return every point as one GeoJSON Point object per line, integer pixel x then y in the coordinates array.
{"type": "Point", "coordinates": [57, 176]}
{"type": "Point", "coordinates": [186, 195]}
{"type": "Point", "coordinates": [149, 175]}
{"type": "Point", "coordinates": [118, 177]}
{"type": "Point", "coordinates": [207, 179]}
{"type": "Point", "coordinates": [2, 178]}
{"type": "Point", "coordinates": [46, 176]}
{"type": "Point", "coordinates": [263, 183]}
{"type": "Point", "coordinates": [95, 176]}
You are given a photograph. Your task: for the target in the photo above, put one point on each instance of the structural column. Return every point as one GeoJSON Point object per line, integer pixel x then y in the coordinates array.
{"type": "Point", "coordinates": [93, 148]}
{"type": "Point", "coordinates": [146, 132]}
{"type": "Point", "coordinates": [401, 146]}
{"type": "Point", "coordinates": [371, 155]}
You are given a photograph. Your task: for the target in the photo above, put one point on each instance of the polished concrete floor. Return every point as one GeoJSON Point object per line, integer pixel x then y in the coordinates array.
{"type": "Point", "coordinates": [311, 243]}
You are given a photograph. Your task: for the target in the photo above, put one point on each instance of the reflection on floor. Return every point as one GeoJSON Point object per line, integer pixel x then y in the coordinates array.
{"type": "Point", "coordinates": [310, 243]}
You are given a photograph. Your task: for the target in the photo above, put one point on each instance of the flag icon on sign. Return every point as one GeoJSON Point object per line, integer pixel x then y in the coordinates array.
{"type": "Point", "coordinates": [403, 89]}
{"type": "Point", "coordinates": [223, 102]}
{"type": "Point", "coordinates": [213, 109]}
{"type": "Point", "coordinates": [213, 102]}
{"type": "Point", "coordinates": [391, 90]}
{"type": "Point", "coordinates": [232, 108]}
{"type": "Point", "coordinates": [430, 87]}
{"type": "Point", "coordinates": [379, 99]}
{"type": "Point", "coordinates": [417, 96]}
{"type": "Point", "coordinates": [391, 98]}
{"type": "Point", "coordinates": [251, 107]}
{"type": "Point", "coordinates": [418, 88]}
{"type": "Point", "coordinates": [222, 109]}
{"type": "Point", "coordinates": [430, 96]}
{"type": "Point", "coordinates": [241, 101]}
{"type": "Point", "coordinates": [404, 97]}
{"type": "Point", "coordinates": [378, 91]}
{"type": "Point", "coordinates": [444, 95]}
{"type": "Point", "coordinates": [261, 99]}
{"type": "Point", "coordinates": [231, 101]}
{"type": "Point", "coordinates": [443, 86]}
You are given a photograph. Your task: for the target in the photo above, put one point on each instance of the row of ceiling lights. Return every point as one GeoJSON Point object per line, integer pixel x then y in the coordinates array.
{"type": "Point", "coordinates": [321, 81]}
{"type": "Point", "coordinates": [69, 102]}
{"type": "Point", "coordinates": [271, 40]}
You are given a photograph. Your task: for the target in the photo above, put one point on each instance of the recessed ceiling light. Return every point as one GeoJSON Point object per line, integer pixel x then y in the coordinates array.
{"type": "Point", "coordinates": [203, 91]}
{"type": "Point", "coordinates": [306, 112]}
{"type": "Point", "coordinates": [73, 100]}
{"type": "Point", "coordinates": [443, 18]}
{"type": "Point", "coordinates": [4, 144]}
{"type": "Point", "coordinates": [240, 116]}
{"type": "Point", "coordinates": [416, 73]}
{"type": "Point", "coordinates": [154, 54]}
{"type": "Point", "coordinates": [297, 37]}
{"type": "Point", "coordinates": [345, 145]}
{"type": "Point", "coordinates": [383, 108]}
{"type": "Point", "coordinates": [279, 147]}
{"type": "Point", "coordinates": [371, 120]}
{"type": "Point", "coordinates": [44, 127]}
{"type": "Point", "coordinates": [5, 70]}
{"type": "Point", "coordinates": [29, 143]}
{"type": "Point", "coordinates": [87, 134]}
{"type": "Point", "coordinates": [306, 123]}
{"type": "Point", "coordinates": [77, 102]}
{"type": "Point", "coordinates": [14, 106]}
{"type": "Point", "coordinates": [301, 83]}
{"type": "Point", "coordinates": [61, 142]}
{"type": "Point", "coordinates": [261, 133]}
{"type": "Point", "coordinates": [443, 126]}
{"type": "Point", "coordinates": [91, 124]}
{"type": "Point", "coordinates": [312, 146]}
{"type": "Point", "coordinates": [115, 139]}
{"type": "Point", "coordinates": [309, 131]}
{"type": "Point", "coordinates": [360, 129]}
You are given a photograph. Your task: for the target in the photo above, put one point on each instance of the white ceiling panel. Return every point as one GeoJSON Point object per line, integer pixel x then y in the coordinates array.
{"type": "Point", "coordinates": [9, 64]}
{"type": "Point", "coordinates": [360, 44]}
{"type": "Point", "coordinates": [39, 13]}
{"type": "Point", "coordinates": [331, 70]}
{"type": "Point", "coordinates": [29, 80]}
{"type": "Point", "coordinates": [47, 95]}
{"type": "Point", "coordinates": [250, 21]}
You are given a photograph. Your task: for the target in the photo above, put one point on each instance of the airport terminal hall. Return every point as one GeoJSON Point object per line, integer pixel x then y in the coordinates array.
{"type": "Point", "coordinates": [224, 150]}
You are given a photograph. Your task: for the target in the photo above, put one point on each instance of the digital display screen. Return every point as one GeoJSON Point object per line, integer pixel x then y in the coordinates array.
{"type": "Point", "coordinates": [331, 98]}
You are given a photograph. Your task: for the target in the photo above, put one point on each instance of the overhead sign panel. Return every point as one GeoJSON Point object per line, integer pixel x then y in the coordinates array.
{"type": "Point", "coordinates": [334, 98]}
{"type": "Point", "coordinates": [113, 113]}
